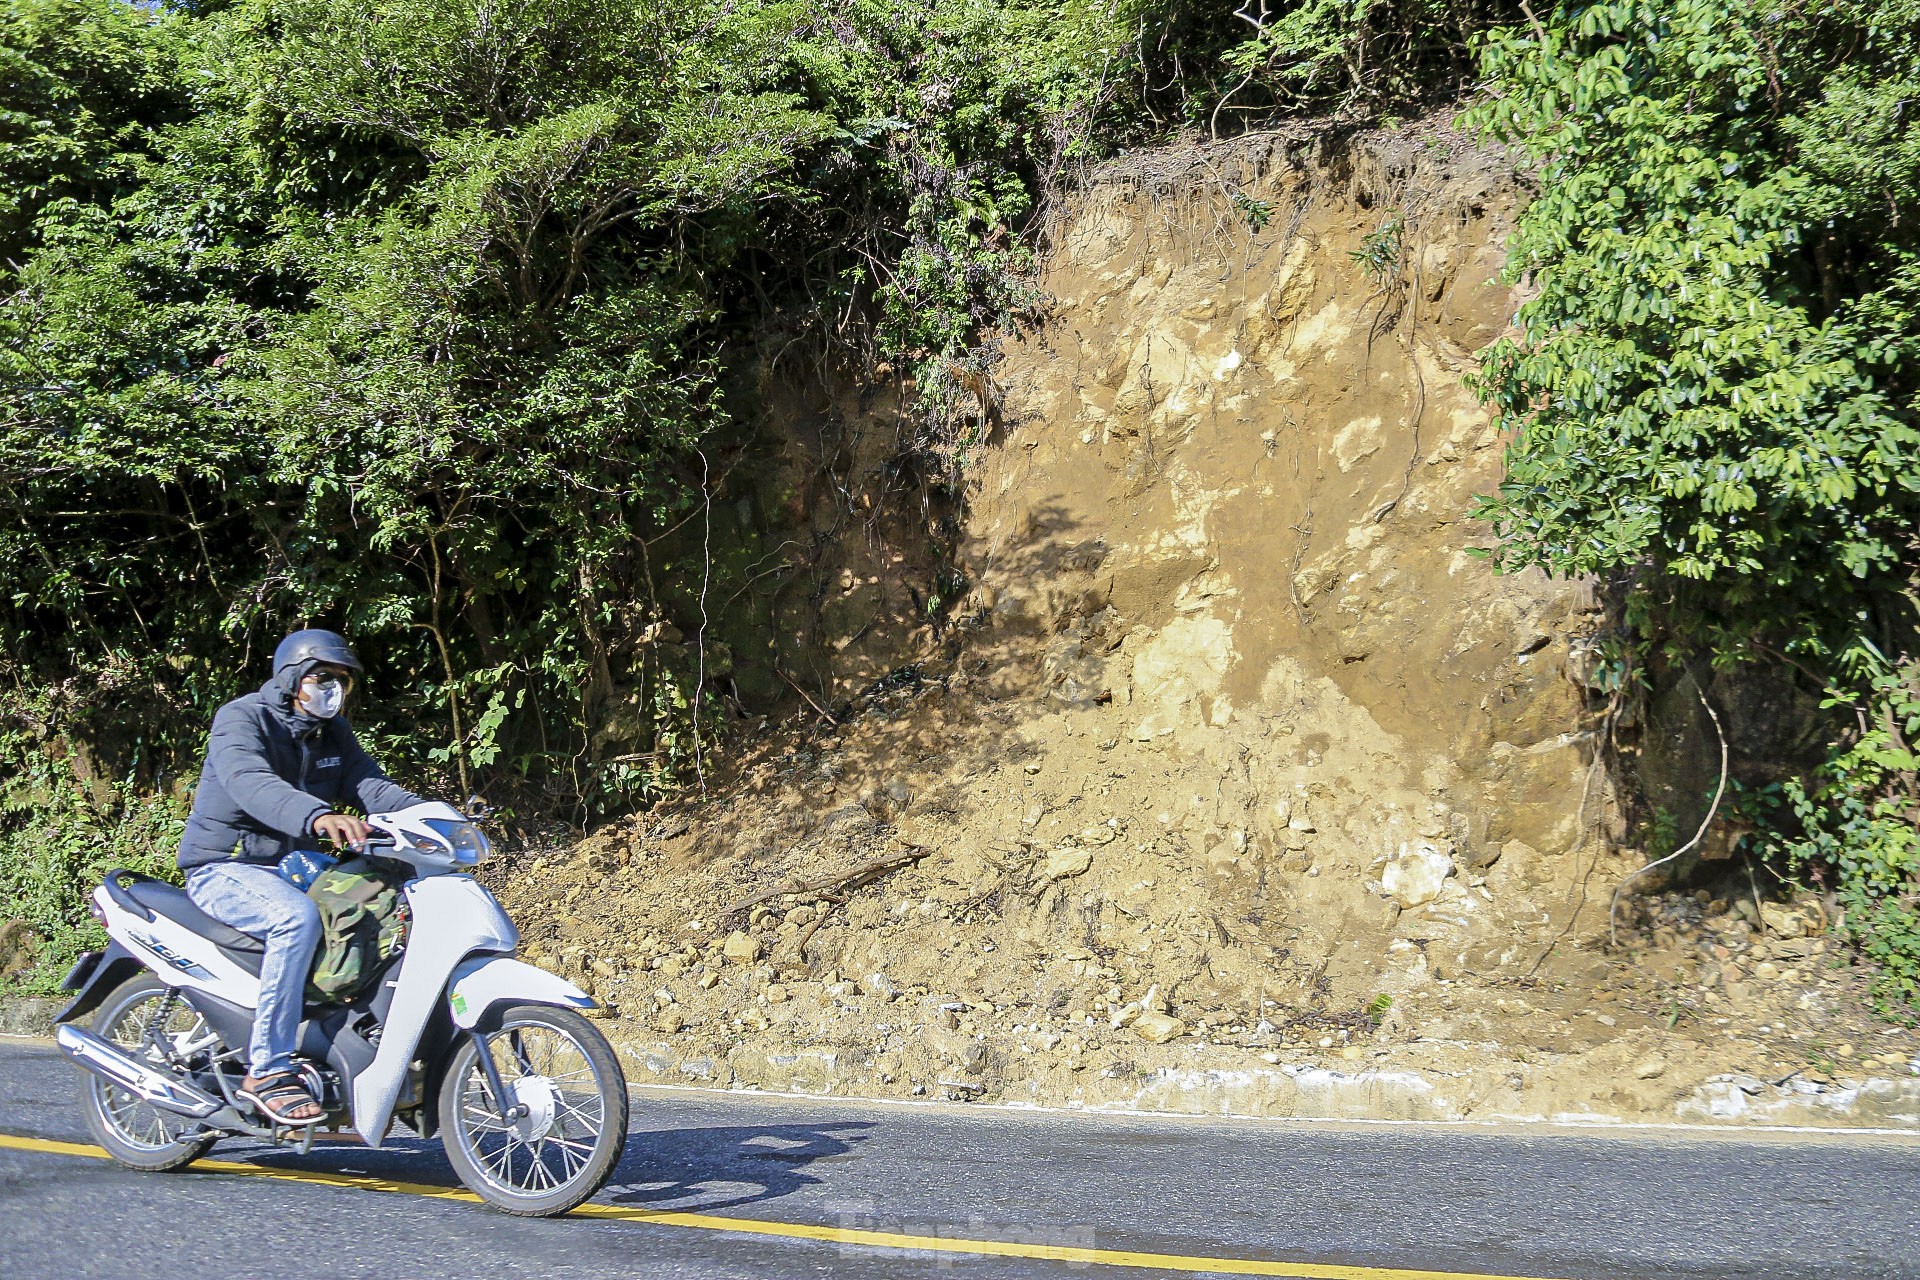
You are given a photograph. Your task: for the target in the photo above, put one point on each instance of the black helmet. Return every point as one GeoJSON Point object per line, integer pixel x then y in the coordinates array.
{"type": "Point", "coordinates": [304, 647]}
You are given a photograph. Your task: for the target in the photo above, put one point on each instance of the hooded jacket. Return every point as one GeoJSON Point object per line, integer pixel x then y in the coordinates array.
{"type": "Point", "coordinates": [271, 770]}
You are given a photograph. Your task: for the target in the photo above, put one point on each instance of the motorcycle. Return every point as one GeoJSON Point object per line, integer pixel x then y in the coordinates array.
{"type": "Point", "coordinates": [455, 1037]}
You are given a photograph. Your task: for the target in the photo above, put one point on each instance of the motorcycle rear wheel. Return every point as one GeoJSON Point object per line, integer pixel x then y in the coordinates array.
{"type": "Point", "coordinates": [558, 1067]}
{"type": "Point", "coordinates": [133, 1131]}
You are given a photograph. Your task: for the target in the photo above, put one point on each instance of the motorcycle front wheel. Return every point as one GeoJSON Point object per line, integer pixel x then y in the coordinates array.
{"type": "Point", "coordinates": [148, 1021]}
{"type": "Point", "coordinates": [569, 1102]}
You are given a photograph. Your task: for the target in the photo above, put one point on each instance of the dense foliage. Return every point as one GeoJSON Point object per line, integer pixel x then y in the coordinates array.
{"type": "Point", "coordinates": [1718, 388]}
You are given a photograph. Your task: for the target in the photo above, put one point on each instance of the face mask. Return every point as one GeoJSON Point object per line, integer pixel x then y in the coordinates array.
{"type": "Point", "coordinates": [322, 700]}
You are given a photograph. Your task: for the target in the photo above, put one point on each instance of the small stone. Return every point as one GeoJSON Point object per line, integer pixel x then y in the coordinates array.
{"type": "Point", "coordinates": [1416, 875]}
{"type": "Point", "coordinates": [776, 994]}
{"type": "Point", "coordinates": [1065, 863]}
{"type": "Point", "coordinates": [741, 948]}
{"type": "Point", "coordinates": [707, 981]}
{"type": "Point", "coordinates": [1158, 1028]}
{"type": "Point", "coordinates": [1153, 1000]}
{"type": "Point", "coordinates": [670, 1019]}
{"type": "Point", "coordinates": [601, 967]}
{"type": "Point", "coordinates": [1353, 1053]}
{"type": "Point", "coordinates": [879, 986]}
{"type": "Point", "coordinates": [1098, 835]}
{"type": "Point", "coordinates": [1650, 1069]}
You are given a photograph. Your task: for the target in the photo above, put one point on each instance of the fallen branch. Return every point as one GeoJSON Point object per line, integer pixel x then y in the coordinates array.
{"type": "Point", "coordinates": [1712, 809]}
{"type": "Point", "coordinates": [795, 686]}
{"type": "Point", "coordinates": [840, 885]}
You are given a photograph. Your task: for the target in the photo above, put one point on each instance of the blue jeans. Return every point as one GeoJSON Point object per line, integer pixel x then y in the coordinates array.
{"type": "Point", "coordinates": [258, 900]}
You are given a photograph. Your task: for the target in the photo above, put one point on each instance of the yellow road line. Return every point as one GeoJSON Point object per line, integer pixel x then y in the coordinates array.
{"type": "Point", "coordinates": [1080, 1254]}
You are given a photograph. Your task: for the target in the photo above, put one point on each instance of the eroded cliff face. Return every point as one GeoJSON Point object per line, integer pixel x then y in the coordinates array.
{"type": "Point", "coordinates": [1235, 781]}
{"type": "Point", "coordinates": [1231, 502]}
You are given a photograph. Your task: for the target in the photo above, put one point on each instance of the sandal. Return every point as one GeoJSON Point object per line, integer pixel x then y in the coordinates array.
{"type": "Point", "coordinates": [282, 1099]}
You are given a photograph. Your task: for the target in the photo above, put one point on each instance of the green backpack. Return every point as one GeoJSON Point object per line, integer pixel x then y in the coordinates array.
{"type": "Point", "coordinates": [363, 924]}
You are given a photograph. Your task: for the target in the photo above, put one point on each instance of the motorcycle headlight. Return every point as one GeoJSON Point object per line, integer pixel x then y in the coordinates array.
{"type": "Point", "coordinates": [463, 839]}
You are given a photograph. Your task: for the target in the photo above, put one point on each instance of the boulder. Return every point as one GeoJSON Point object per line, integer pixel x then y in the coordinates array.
{"type": "Point", "coordinates": [1158, 1028]}
{"type": "Point", "coordinates": [1066, 862]}
{"type": "Point", "coordinates": [1415, 876]}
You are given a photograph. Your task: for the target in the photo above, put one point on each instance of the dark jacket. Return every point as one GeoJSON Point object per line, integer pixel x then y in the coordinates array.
{"type": "Point", "coordinates": [270, 771]}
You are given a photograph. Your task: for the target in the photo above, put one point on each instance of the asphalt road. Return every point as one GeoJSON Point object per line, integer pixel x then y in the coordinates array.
{"type": "Point", "coordinates": [1344, 1202]}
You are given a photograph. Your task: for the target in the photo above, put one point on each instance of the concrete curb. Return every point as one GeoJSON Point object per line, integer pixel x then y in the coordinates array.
{"type": "Point", "coordinates": [1305, 1091]}
{"type": "Point", "coordinates": [1287, 1091]}
{"type": "Point", "coordinates": [28, 1015]}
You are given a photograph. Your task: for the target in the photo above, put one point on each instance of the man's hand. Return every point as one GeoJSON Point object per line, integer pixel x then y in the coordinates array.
{"type": "Point", "coordinates": [341, 829]}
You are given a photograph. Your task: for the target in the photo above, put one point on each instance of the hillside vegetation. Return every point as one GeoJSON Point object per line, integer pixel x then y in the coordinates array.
{"type": "Point", "coordinates": [444, 322]}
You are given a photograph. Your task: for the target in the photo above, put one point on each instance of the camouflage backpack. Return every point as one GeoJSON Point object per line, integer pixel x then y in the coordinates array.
{"type": "Point", "coordinates": [363, 924]}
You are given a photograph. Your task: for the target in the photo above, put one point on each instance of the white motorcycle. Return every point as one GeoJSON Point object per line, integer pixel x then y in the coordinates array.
{"type": "Point", "coordinates": [455, 1036]}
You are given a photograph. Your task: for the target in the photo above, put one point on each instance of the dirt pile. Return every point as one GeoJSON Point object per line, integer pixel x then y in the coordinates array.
{"type": "Point", "coordinates": [1241, 783]}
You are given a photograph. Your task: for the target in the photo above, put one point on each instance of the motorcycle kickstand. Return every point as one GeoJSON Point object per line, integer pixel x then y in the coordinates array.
{"type": "Point", "coordinates": [508, 1114]}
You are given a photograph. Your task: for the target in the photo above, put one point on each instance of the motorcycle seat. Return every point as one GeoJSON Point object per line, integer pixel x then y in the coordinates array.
{"type": "Point", "coordinates": [172, 902]}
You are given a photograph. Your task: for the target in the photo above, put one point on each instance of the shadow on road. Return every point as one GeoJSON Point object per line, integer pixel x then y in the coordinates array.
{"type": "Point", "coordinates": [703, 1170]}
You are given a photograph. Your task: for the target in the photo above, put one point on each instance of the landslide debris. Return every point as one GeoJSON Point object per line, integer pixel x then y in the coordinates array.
{"type": "Point", "coordinates": [1236, 781]}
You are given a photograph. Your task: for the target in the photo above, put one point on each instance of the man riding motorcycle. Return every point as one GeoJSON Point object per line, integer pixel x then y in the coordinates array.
{"type": "Point", "coordinates": [281, 762]}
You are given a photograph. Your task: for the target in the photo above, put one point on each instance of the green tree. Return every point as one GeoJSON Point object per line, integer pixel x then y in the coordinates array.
{"type": "Point", "coordinates": [1717, 388]}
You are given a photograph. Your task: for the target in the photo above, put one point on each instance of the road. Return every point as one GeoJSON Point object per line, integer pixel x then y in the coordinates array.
{"type": "Point", "coordinates": [724, 1185]}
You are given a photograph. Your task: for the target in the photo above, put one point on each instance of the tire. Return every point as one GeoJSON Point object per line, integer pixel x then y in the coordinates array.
{"type": "Point", "coordinates": [134, 1132]}
{"type": "Point", "coordinates": [558, 1065]}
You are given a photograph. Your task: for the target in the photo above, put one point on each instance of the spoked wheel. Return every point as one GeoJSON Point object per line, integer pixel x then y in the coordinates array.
{"type": "Point", "coordinates": [569, 1100]}
{"type": "Point", "coordinates": [147, 1020]}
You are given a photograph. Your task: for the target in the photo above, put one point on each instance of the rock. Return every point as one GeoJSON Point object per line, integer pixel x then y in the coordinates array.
{"type": "Point", "coordinates": [879, 986]}
{"type": "Point", "coordinates": [1416, 874]}
{"type": "Point", "coordinates": [1353, 1053]}
{"type": "Point", "coordinates": [1783, 922]}
{"type": "Point", "coordinates": [1098, 835]}
{"type": "Point", "coordinates": [1065, 863]}
{"type": "Point", "coordinates": [1158, 1028]}
{"type": "Point", "coordinates": [1153, 1001]}
{"type": "Point", "coordinates": [776, 994]}
{"type": "Point", "coordinates": [601, 967]}
{"type": "Point", "coordinates": [707, 981]}
{"type": "Point", "coordinates": [670, 1019]}
{"type": "Point", "coordinates": [1650, 1069]}
{"type": "Point", "coordinates": [741, 948]}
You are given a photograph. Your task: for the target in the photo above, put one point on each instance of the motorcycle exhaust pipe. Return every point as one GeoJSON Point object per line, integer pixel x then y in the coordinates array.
{"type": "Point", "coordinates": [112, 1063]}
